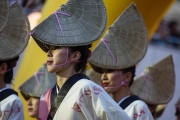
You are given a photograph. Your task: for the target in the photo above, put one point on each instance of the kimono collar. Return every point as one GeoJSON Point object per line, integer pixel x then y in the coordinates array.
{"type": "Point", "coordinates": [63, 92]}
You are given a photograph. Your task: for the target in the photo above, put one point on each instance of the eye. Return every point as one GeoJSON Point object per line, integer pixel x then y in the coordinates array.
{"type": "Point", "coordinates": [57, 47]}
{"type": "Point", "coordinates": [108, 70]}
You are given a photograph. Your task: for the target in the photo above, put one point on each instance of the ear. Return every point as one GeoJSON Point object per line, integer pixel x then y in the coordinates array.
{"type": "Point", "coordinates": [75, 56]}
{"type": "Point", "coordinates": [3, 68]}
{"type": "Point", "coordinates": [127, 77]}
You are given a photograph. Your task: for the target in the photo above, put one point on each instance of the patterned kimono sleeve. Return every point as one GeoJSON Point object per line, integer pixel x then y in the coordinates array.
{"type": "Point", "coordinates": [16, 110]}
{"type": "Point", "coordinates": [142, 112]}
{"type": "Point", "coordinates": [96, 104]}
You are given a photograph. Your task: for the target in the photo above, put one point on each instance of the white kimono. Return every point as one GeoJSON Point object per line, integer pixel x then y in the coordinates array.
{"type": "Point", "coordinates": [88, 101]}
{"type": "Point", "coordinates": [11, 108]}
{"type": "Point", "coordinates": [138, 110]}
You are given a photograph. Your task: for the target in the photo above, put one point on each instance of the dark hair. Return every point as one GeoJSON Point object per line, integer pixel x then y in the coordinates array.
{"type": "Point", "coordinates": [132, 70]}
{"type": "Point", "coordinates": [85, 52]}
{"type": "Point", "coordinates": [9, 74]}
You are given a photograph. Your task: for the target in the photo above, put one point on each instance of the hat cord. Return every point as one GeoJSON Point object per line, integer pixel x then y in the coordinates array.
{"type": "Point", "coordinates": [35, 74]}
{"type": "Point", "coordinates": [60, 27]}
{"type": "Point", "coordinates": [145, 80]}
{"type": "Point", "coordinates": [104, 41]}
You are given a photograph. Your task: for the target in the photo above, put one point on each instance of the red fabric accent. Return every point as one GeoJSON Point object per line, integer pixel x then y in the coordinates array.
{"type": "Point", "coordinates": [45, 105]}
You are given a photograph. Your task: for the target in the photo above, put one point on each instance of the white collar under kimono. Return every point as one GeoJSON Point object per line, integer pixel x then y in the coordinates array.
{"type": "Point", "coordinates": [57, 88]}
{"type": "Point", "coordinates": [137, 110]}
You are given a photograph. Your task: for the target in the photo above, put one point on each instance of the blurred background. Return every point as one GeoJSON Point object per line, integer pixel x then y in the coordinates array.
{"type": "Point", "coordinates": [162, 18]}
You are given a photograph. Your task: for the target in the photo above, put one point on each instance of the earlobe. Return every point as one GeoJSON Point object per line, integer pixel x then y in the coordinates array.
{"type": "Point", "coordinates": [3, 68]}
{"type": "Point", "coordinates": [128, 77]}
{"type": "Point", "coordinates": [76, 56]}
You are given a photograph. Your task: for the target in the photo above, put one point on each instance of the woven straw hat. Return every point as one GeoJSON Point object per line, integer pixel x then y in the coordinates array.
{"type": "Point", "coordinates": [15, 35]}
{"type": "Point", "coordinates": [124, 44]}
{"type": "Point", "coordinates": [37, 84]}
{"type": "Point", "coordinates": [4, 13]}
{"type": "Point", "coordinates": [94, 76]}
{"type": "Point", "coordinates": [78, 22]}
{"type": "Point", "coordinates": [156, 84]}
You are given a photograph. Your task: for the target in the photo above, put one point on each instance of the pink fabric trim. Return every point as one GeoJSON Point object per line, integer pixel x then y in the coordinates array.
{"type": "Point", "coordinates": [45, 105]}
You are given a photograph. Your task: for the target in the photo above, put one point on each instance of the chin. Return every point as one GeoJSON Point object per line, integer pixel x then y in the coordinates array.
{"type": "Point", "coordinates": [108, 90]}
{"type": "Point", "coordinates": [51, 70]}
{"type": "Point", "coordinates": [33, 114]}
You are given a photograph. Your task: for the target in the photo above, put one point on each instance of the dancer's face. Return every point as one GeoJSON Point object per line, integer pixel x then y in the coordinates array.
{"type": "Point", "coordinates": [111, 78]}
{"type": "Point", "coordinates": [57, 56]}
{"type": "Point", "coordinates": [33, 107]}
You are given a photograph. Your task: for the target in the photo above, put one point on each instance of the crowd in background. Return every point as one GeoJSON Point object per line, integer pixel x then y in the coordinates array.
{"type": "Point", "coordinates": [168, 34]}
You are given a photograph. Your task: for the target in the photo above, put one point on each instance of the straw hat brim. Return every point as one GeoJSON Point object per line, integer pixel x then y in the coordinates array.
{"type": "Point", "coordinates": [85, 22]}
{"type": "Point", "coordinates": [4, 13]}
{"type": "Point", "coordinates": [126, 39]}
{"type": "Point", "coordinates": [159, 85]}
{"type": "Point", "coordinates": [15, 35]}
{"type": "Point", "coordinates": [31, 88]}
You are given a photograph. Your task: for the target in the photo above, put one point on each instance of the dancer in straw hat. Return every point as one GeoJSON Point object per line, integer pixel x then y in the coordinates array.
{"type": "Point", "coordinates": [66, 36]}
{"type": "Point", "coordinates": [122, 47]}
{"type": "Point", "coordinates": [34, 87]}
{"type": "Point", "coordinates": [156, 84]}
{"type": "Point", "coordinates": [14, 36]}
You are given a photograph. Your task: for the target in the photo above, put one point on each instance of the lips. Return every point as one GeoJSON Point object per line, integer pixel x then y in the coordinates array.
{"type": "Point", "coordinates": [49, 62]}
{"type": "Point", "coordinates": [105, 84]}
{"type": "Point", "coordinates": [30, 109]}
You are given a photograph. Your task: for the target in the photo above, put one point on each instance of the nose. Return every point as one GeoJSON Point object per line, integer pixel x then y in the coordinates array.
{"type": "Point", "coordinates": [104, 77]}
{"type": "Point", "coordinates": [49, 53]}
{"type": "Point", "coordinates": [29, 102]}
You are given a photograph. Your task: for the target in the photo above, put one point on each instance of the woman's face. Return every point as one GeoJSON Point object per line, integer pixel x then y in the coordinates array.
{"type": "Point", "coordinates": [57, 56]}
{"type": "Point", "coordinates": [33, 107]}
{"type": "Point", "coordinates": [111, 78]}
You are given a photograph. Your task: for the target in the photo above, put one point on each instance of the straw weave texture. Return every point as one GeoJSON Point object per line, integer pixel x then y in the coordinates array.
{"type": "Point", "coordinates": [15, 35]}
{"type": "Point", "coordinates": [85, 24]}
{"type": "Point", "coordinates": [4, 13]}
{"type": "Point", "coordinates": [32, 88]}
{"type": "Point", "coordinates": [161, 81]}
{"type": "Point", "coordinates": [128, 42]}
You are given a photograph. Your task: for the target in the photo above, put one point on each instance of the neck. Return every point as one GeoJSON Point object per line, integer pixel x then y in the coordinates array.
{"type": "Point", "coordinates": [2, 83]}
{"type": "Point", "coordinates": [62, 77]}
{"type": "Point", "coordinates": [121, 93]}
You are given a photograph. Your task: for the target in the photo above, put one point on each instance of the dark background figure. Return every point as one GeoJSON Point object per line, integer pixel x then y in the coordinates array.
{"type": "Point", "coordinates": [174, 34]}
{"type": "Point", "coordinates": [167, 34]}
{"type": "Point", "coordinates": [173, 29]}
{"type": "Point", "coordinates": [32, 5]}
